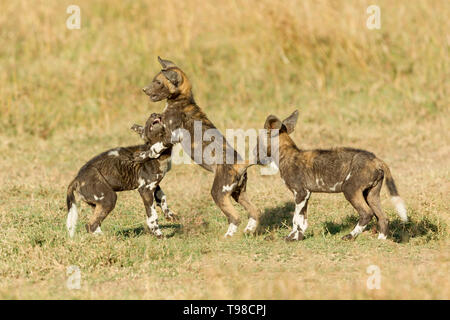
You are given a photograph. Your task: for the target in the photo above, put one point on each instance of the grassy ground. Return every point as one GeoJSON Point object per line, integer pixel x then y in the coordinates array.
{"type": "Point", "coordinates": [67, 95]}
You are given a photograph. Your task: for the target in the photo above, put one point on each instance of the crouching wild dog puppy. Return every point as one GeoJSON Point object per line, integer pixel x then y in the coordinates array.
{"type": "Point", "coordinates": [356, 173]}
{"type": "Point", "coordinates": [115, 170]}
{"type": "Point", "coordinates": [182, 112]}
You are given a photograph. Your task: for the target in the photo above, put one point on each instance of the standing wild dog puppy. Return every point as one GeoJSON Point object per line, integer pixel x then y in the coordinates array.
{"type": "Point", "coordinates": [356, 173]}
{"type": "Point", "coordinates": [181, 112]}
{"type": "Point", "coordinates": [115, 170]}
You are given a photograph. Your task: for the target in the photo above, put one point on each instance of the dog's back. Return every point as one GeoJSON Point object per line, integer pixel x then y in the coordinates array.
{"type": "Point", "coordinates": [324, 170]}
{"type": "Point", "coordinates": [117, 168]}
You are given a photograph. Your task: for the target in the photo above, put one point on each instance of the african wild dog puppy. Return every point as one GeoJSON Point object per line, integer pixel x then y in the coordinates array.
{"type": "Point", "coordinates": [181, 112]}
{"type": "Point", "coordinates": [115, 170]}
{"type": "Point", "coordinates": [356, 173]}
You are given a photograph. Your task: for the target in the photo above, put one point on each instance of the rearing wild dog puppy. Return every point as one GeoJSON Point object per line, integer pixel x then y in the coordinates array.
{"type": "Point", "coordinates": [181, 112]}
{"type": "Point", "coordinates": [115, 170]}
{"type": "Point", "coordinates": [356, 173]}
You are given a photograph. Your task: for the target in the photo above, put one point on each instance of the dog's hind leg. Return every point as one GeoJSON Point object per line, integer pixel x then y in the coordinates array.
{"type": "Point", "coordinates": [104, 200]}
{"type": "Point", "coordinates": [224, 203]}
{"type": "Point", "coordinates": [356, 198]}
{"type": "Point", "coordinates": [373, 199]}
{"type": "Point", "coordinates": [223, 186]}
{"type": "Point", "coordinates": [161, 201]}
{"type": "Point", "coordinates": [240, 195]}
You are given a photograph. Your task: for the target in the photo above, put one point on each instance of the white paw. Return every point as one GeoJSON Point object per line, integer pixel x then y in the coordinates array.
{"type": "Point", "coordinates": [142, 155]}
{"type": "Point", "coordinates": [382, 236]}
{"type": "Point", "coordinates": [231, 230]}
{"type": "Point", "coordinates": [251, 225]}
{"type": "Point", "coordinates": [158, 233]}
{"type": "Point", "coordinates": [293, 235]}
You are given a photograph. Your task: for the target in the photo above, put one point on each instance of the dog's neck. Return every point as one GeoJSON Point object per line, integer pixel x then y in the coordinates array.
{"type": "Point", "coordinates": [286, 145]}
{"type": "Point", "coordinates": [181, 99]}
{"type": "Point", "coordinates": [185, 104]}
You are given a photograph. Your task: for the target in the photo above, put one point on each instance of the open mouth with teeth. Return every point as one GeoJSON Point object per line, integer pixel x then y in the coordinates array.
{"type": "Point", "coordinates": [155, 122]}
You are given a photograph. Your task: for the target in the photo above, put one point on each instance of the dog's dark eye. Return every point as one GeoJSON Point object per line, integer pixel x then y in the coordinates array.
{"type": "Point", "coordinates": [158, 82]}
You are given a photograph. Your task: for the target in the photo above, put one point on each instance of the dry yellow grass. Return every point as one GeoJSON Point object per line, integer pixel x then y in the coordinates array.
{"type": "Point", "coordinates": [67, 95]}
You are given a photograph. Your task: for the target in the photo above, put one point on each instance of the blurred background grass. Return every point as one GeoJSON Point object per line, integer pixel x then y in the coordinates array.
{"type": "Point", "coordinates": [245, 58]}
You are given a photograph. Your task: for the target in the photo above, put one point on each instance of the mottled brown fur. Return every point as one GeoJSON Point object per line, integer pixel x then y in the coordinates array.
{"type": "Point", "coordinates": [356, 173]}
{"type": "Point", "coordinates": [181, 111]}
{"type": "Point", "coordinates": [115, 170]}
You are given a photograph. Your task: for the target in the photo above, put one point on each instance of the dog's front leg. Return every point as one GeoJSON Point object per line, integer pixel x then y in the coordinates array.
{"type": "Point", "coordinates": [153, 153]}
{"type": "Point", "coordinates": [146, 192]}
{"type": "Point", "coordinates": [161, 201]}
{"type": "Point", "coordinates": [299, 222]}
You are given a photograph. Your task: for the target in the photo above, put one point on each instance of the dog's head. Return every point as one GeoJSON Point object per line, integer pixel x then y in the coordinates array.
{"type": "Point", "coordinates": [154, 130]}
{"type": "Point", "coordinates": [169, 83]}
{"type": "Point", "coordinates": [273, 127]}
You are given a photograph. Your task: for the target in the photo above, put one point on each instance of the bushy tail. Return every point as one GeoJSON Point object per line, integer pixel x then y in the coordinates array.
{"type": "Point", "coordinates": [72, 216]}
{"type": "Point", "coordinates": [395, 197]}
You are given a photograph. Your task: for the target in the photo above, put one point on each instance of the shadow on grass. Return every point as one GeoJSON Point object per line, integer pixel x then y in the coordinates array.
{"type": "Point", "coordinates": [349, 222]}
{"type": "Point", "coordinates": [276, 217]}
{"type": "Point", "coordinates": [399, 232]}
{"type": "Point", "coordinates": [413, 229]}
{"type": "Point", "coordinates": [138, 231]}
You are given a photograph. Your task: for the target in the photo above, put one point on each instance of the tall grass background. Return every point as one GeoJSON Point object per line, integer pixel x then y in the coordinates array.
{"type": "Point", "coordinates": [245, 58]}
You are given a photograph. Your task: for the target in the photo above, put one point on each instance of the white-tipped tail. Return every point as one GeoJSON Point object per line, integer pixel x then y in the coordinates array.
{"type": "Point", "coordinates": [72, 219]}
{"type": "Point", "coordinates": [400, 207]}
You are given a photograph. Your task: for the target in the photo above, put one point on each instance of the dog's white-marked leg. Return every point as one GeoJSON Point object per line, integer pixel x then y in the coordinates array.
{"type": "Point", "coordinates": [72, 219]}
{"type": "Point", "coordinates": [162, 203]}
{"type": "Point", "coordinates": [229, 188]}
{"type": "Point", "coordinates": [98, 231]}
{"type": "Point", "coordinates": [232, 228]}
{"type": "Point", "coordinates": [157, 148]}
{"type": "Point", "coordinates": [152, 221]}
{"type": "Point", "coordinates": [148, 197]}
{"type": "Point", "coordinates": [357, 230]}
{"type": "Point", "coordinates": [382, 236]}
{"type": "Point", "coordinates": [169, 214]}
{"type": "Point", "coordinates": [154, 152]}
{"type": "Point", "coordinates": [299, 222]}
{"type": "Point", "coordinates": [251, 225]}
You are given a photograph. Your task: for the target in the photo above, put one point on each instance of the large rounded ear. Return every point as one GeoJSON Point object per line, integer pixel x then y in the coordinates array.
{"type": "Point", "coordinates": [291, 121]}
{"type": "Point", "coordinates": [272, 122]}
{"type": "Point", "coordinates": [173, 76]}
{"type": "Point", "coordinates": [138, 128]}
{"type": "Point", "coordinates": [165, 64]}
